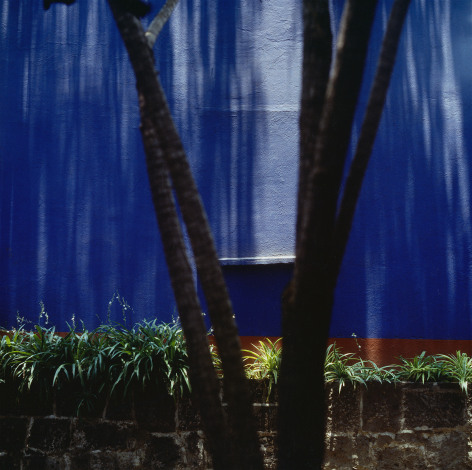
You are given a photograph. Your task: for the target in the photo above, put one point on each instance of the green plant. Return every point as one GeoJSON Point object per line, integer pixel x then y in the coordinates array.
{"type": "Point", "coordinates": [30, 358]}
{"type": "Point", "coordinates": [457, 367]}
{"type": "Point", "coordinates": [420, 368]}
{"type": "Point", "coordinates": [348, 368]}
{"type": "Point", "coordinates": [149, 353]}
{"type": "Point", "coordinates": [215, 358]}
{"type": "Point", "coordinates": [264, 361]}
{"type": "Point", "coordinates": [85, 371]}
{"type": "Point", "coordinates": [371, 372]}
{"type": "Point", "coordinates": [343, 368]}
{"type": "Point", "coordinates": [89, 367]}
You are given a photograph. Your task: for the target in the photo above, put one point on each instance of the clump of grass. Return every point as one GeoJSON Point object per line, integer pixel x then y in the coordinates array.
{"type": "Point", "coordinates": [457, 368]}
{"type": "Point", "coordinates": [263, 362]}
{"type": "Point", "coordinates": [421, 368]}
{"type": "Point", "coordinates": [342, 368]}
{"type": "Point", "coordinates": [149, 353]}
{"type": "Point", "coordinates": [348, 368]}
{"type": "Point", "coordinates": [437, 368]}
{"type": "Point", "coordinates": [95, 365]}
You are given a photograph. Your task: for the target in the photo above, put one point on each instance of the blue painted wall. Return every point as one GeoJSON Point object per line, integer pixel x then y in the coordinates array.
{"type": "Point", "coordinates": [76, 220]}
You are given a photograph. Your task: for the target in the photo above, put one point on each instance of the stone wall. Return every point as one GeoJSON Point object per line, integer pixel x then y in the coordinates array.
{"type": "Point", "coordinates": [402, 426]}
{"type": "Point", "coordinates": [399, 426]}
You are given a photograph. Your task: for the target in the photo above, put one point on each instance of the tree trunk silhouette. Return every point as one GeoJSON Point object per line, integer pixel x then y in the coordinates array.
{"type": "Point", "coordinates": [322, 234]}
{"type": "Point", "coordinates": [243, 442]}
{"type": "Point", "coordinates": [317, 51]}
{"type": "Point", "coordinates": [202, 374]}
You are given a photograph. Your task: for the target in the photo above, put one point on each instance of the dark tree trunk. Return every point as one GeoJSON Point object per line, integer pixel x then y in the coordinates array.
{"type": "Point", "coordinates": [309, 303]}
{"type": "Point", "coordinates": [202, 374]}
{"type": "Point", "coordinates": [317, 51]}
{"type": "Point", "coordinates": [321, 236]}
{"type": "Point", "coordinates": [245, 450]}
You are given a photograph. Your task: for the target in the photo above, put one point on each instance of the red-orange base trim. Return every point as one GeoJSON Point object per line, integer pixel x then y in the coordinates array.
{"type": "Point", "coordinates": [384, 351]}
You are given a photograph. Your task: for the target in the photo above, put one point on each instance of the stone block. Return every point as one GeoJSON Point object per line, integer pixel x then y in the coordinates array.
{"type": "Point", "coordinates": [100, 460]}
{"type": "Point", "coordinates": [456, 457]}
{"type": "Point", "coordinates": [348, 451]}
{"type": "Point", "coordinates": [80, 460]}
{"type": "Point", "coordinates": [50, 434]}
{"type": "Point", "coordinates": [34, 461]}
{"type": "Point", "coordinates": [188, 416]}
{"type": "Point", "coordinates": [115, 460]}
{"type": "Point", "coordinates": [37, 460]}
{"type": "Point", "coordinates": [381, 407]}
{"type": "Point", "coordinates": [34, 402]}
{"type": "Point", "coordinates": [268, 443]}
{"type": "Point", "coordinates": [155, 411]}
{"type": "Point", "coordinates": [339, 451]}
{"type": "Point", "coordinates": [343, 412]}
{"type": "Point", "coordinates": [161, 452]}
{"type": "Point", "coordinates": [103, 434]}
{"type": "Point", "coordinates": [364, 443]}
{"type": "Point", "coordinates": [119, 409]}
{"type": "Point", "coordinates": [13, 433]}
{"type": "Point", "coordinates": [10, 462]}
{"type": "Point", "coordinates": [66, 405]}
{"type": "Point", "coordinates": [399, 456]}
{"type": "Point", "coordinates": [71, 401]}
{"type": "Point", "coordinates": [192, 445]}
{"type": "Point", "coordinates": [8, 395]}
{"type": "Point", "coordinates": [259, 390]}
{"type": "Point", "coordinates": [266, 416]}
{"type": "Point", "coordinates": [433, 407]}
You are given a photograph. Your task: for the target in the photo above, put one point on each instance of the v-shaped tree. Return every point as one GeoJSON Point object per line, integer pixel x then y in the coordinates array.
{"type": "Point", "coordinates": [329, 99]}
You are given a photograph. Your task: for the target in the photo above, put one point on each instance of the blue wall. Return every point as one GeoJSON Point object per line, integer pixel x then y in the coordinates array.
{"type": "Point", "coordinates": [76, 220]}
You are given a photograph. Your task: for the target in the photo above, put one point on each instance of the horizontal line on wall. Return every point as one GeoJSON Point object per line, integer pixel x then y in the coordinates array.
{"type": "Point", "coordinates": [257, 260]}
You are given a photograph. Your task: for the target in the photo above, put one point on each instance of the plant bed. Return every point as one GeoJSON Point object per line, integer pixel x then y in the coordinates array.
{"type": "Point", "coordinates": [120, 398]}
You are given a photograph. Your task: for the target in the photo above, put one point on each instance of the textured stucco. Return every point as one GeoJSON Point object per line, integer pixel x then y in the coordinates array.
{"type": "Point", "coordinates": [76, 220]}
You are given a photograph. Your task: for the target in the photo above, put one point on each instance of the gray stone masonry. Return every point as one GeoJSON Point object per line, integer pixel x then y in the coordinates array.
{"type": "Point", "coordinates": [385, 426]}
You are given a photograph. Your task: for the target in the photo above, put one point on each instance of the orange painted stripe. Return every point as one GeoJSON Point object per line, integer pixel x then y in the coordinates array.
{"type": "Point", "coordinates": [384, 351]}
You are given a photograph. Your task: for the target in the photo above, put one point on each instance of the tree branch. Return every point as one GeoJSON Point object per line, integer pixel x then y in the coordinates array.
{"type": "Point", "coordinates": [369, 128]}
{"type": "Point", "coordinates": [159, 21]}
{"type": "Point", "coordinates": [317, 51]}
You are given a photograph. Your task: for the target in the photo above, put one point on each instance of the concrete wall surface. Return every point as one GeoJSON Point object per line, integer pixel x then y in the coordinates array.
{"type": "Point", "coordinates": [76, 218]}
{"type": "Point", "coordinates": [386, 426]}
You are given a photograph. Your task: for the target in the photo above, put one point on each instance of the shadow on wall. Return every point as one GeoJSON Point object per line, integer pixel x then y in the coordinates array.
{"type": "Point", "coordinates": [76, 217]}
{"type": "Point", "coordinates": [238, 64]}
{"type": "Point", "coordinates": [218, 77]}
{"type": "Point", "coordinates": [407, 271]}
